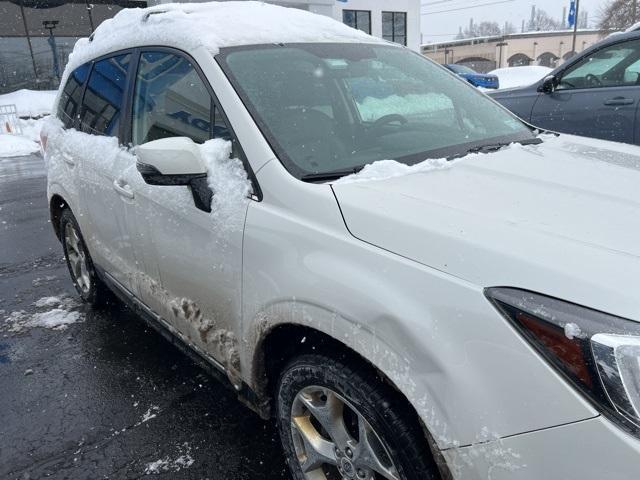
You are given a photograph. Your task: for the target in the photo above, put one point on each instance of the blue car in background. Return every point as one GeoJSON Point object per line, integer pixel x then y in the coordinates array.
{"type": "Point", "coordinates": [476, 79]}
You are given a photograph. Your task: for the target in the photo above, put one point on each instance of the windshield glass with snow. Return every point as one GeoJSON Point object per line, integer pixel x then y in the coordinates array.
{"type": "Point", "coordinates": [336, 107]}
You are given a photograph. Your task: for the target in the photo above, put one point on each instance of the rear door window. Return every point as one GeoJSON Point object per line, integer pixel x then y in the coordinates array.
{"type": "Point", "coordinates": [71, 96]}
{"type": "Point", "coordinates": [102, 104]}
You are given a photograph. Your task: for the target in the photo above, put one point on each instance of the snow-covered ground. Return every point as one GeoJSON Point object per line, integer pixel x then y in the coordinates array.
{"type": "Point", "coordinates": [29, 103]}
{"type": "Point", "coordinates": [512, 77]}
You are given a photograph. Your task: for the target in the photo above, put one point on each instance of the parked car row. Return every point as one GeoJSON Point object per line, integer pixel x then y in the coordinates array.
{"type": "Point", "coordinates": [595, 94]}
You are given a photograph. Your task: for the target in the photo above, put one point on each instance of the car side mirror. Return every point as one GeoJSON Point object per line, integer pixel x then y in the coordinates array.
{"type": "Point", "coordinates": [175, 161]}
{"type": "Point", "coordinates": [549, 84]}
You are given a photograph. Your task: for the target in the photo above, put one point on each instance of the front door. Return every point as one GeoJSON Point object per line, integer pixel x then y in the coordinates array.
{"type": "Point", "coordinates": [596, 97]}
{"type": "Point", "coordinates": [192, 259]}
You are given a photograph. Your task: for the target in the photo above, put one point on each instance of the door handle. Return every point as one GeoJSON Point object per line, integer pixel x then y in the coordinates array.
{"type": "Point", "coordinates": [619, 101]}
{"type": "Point", "coordinates": [123, 189]}
{"type": "Point", "coordinates": [68, 160]}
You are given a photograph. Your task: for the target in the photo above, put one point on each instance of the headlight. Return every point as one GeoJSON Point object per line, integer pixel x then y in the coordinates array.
{"type": "Point", "coordinates": [598, 353]}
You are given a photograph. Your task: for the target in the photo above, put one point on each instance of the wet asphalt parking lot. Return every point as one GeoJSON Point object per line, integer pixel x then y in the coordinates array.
{"type": "Point", "coordinates": [105, 397]}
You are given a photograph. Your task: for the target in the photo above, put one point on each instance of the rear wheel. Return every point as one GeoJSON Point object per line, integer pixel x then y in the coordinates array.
{"type": "Point", "coordinates": [81, 269]}
{"type": "Point", "coordinates": [339, 423]}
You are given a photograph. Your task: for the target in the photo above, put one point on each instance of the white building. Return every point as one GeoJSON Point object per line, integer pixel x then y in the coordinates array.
{"type": "Point", "coordinates": [394, 20]}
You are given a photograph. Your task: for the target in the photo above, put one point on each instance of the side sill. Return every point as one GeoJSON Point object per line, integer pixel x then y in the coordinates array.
{"type": "Point", "coordinates": [245, 393]}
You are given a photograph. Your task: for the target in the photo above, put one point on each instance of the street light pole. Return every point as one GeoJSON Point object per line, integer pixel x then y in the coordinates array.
{"type": "Point", "coordinates": [575, 26]}
{"type": "Point", "coordinates": [50, 25]}
{"type": "Point", "coordinates": [26, 32]}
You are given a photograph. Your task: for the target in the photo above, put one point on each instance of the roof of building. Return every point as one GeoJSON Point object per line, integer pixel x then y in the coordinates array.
{"type": "Point", "coordinates": [499, 38]}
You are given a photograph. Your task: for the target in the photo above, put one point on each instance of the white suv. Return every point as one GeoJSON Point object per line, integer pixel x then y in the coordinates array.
{"type": "Point", "coordinates": [413, 282]}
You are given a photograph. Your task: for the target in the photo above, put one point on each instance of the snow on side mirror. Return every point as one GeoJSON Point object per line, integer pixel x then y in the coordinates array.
{"type": "Point", "coordinates": [175, 161]}
{"type": "Point", "coordinates": [548, 84]}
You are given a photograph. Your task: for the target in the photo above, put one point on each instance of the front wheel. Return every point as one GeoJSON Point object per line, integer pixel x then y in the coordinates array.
{"type": "Point", "coordinates": [338, 422]}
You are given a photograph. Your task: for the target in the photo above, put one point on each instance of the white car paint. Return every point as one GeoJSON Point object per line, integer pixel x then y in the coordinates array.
{"type": "Point", "coordinates": [394, 270]}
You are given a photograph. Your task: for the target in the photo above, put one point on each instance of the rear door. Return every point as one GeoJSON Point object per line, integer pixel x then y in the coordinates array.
{"type": "Point", "coordinates": [597, 96]}
{"type": "Point", "coordinates": [108, 206]}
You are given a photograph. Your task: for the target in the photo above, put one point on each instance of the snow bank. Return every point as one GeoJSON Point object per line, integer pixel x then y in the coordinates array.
{"type": "Point", "coordinates": [512, 77]}
{"type": "Point", "coordinates": [30, 103]}
{"type": "Point", "coordinates": [16, 145]}
{"type": "Point", "coordinates": [25, 144]}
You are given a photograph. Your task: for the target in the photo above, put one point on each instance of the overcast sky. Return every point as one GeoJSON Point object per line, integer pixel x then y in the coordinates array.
{"type": "Point", "coordinates": [443, 26]}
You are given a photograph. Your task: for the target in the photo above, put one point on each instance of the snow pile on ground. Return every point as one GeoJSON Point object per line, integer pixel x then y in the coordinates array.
{"type": "Point", "coordinates": [512, 77]}
{"type": "Point", "coordinates": [29, 142]}
{"type": "Point", "coordinates": [55, 313]}
{"type": "Point", "coordinates": [30, 103]}
{"type": "Point", "coordinates": [228, 180]}
{"type": "Point", "coordinates": [16, 146]}
{"type": "Point", "coordinates": [185, 460]}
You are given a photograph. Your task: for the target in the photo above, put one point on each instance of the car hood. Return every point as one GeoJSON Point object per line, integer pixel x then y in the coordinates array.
{"type": "Point", "coordinates": [561, 218]}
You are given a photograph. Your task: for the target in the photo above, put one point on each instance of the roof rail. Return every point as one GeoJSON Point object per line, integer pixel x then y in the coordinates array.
{"type": "Point", "coordinates": [146, 16]}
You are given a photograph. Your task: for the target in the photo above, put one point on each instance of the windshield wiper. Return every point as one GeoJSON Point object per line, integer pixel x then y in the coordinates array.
{"type": "Point", "coordinates": [494, 147]}
{"type": "Point", "coordinates": [332, 175]}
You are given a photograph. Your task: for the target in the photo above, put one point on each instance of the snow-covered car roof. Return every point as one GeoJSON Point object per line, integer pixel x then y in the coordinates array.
{"type": "Point", "coordinates": [212, 25]}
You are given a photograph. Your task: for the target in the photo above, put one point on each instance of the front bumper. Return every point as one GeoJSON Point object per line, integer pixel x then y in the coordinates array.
{"type": "Point", "coordinates": [592, 449]}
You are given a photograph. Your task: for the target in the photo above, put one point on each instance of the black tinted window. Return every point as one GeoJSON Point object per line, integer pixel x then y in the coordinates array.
{"type": "Point", "coordinates": [71, 97]}
{"type": "Point", "coordinates": [102, 102]}
{"type": "Point", "coordinates": [171, 100]}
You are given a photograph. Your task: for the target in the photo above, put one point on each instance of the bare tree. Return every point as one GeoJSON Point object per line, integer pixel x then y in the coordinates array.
{"type": "Point", "coordinates": [482, 29]}
{"type": "Point", "coordinates": [618, 15]}
{"type": "Point", "coordinates": [542, 21]}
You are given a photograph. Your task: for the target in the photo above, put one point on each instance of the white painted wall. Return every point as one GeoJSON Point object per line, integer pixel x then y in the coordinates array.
{"type": "Point", "coordinates": [334, 8]}
{"type": "Point", "coordinates": [376, 7]}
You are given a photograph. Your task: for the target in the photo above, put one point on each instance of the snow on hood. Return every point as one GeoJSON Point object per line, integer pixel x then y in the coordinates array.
{"type": "Point", "coordinates": [558, 218]}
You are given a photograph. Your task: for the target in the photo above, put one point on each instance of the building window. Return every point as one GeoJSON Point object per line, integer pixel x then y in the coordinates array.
{"type": "Point", "coordinates": [394, 27]}
{"type": "Point", "coordinates": [358, 19]}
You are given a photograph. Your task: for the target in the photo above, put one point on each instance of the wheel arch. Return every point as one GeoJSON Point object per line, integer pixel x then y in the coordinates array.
{"type": "Point", "coordinates": [285, 341]}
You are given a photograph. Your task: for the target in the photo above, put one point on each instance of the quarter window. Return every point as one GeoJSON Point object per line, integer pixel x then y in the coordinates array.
{"type": "Point", "coordinates": [394, 27]}
{"type": "Point", "coordinates": [71, 97]}
{"type": "Point", "coordinates": [103, 97]}
{"type": "Point", "coordinates": [171, 100]}
{"type": "Point", "coordinates": [358, 19]}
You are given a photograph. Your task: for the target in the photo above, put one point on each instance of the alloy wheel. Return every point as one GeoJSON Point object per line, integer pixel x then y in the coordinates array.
{"type": "Point", "coordinates": [333, 440]}
{"type": "Point", "coordinates": [77, 258]}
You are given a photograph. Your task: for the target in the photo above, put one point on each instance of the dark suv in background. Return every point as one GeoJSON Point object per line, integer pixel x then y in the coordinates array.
{"type": "Point", "coordinates": [595, 94]}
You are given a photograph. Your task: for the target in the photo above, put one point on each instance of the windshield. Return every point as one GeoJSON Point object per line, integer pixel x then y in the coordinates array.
{"type": "Point", "coordinates": [461, 69]}
{"type": "Point", "coordinates": [335, 107]}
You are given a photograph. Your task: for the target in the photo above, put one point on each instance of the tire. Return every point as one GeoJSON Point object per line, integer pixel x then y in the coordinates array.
{"type": "Point", "coordinates": [83, 273]}
{"type": "Point", "coordinates": [318, 384]}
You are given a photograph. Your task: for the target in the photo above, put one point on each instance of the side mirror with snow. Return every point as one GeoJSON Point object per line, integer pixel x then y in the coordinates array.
{"type": "Point", "coordinates": [175, 161]}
